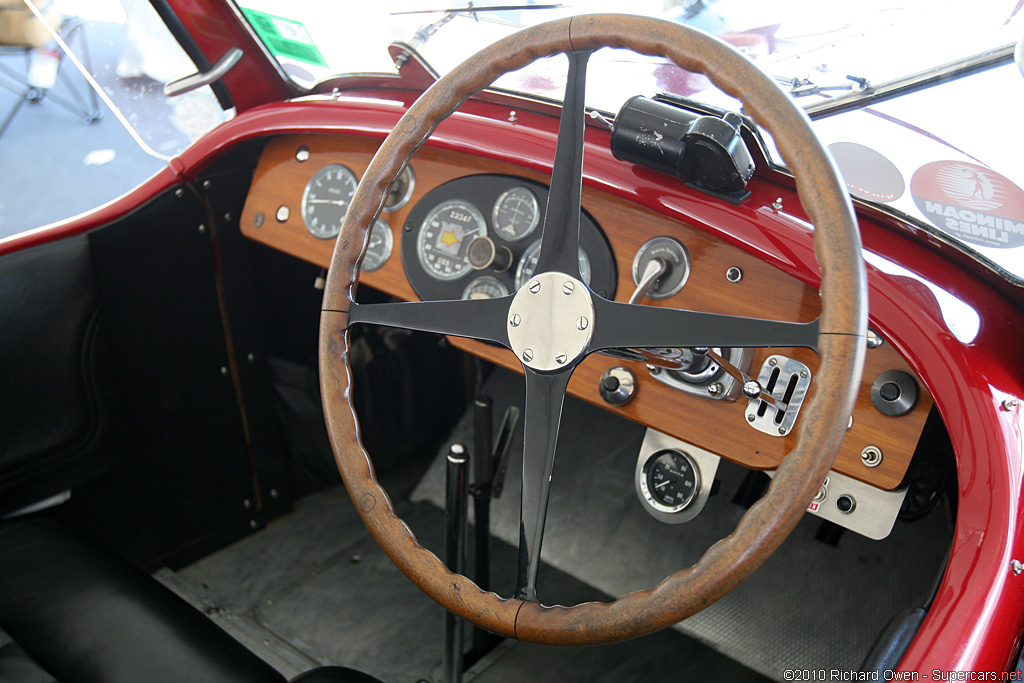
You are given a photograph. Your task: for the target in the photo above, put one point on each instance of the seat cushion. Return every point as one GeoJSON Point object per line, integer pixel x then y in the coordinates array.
{"type": "Point", "coordinates": [84, 614]}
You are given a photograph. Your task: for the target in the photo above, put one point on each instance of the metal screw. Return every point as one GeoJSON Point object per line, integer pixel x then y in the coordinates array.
{"type": "Point", "coordinates": [253, 524]}
{"type": "Point", "coordinates": [302, 154]}
{"type": "Point", "coordinates": [1008, 404]}
{"type": "Point", "coordinates": [534, 287]}
{"type": "Point", "coordinates": [567, 288]}
{"type": "Point", "coordinates": [715, 389]}
{"type": "Point", "coordinates": [251, 357]}
{"type": "Point", "coordinates": [224, 370]}
{"type": "Point", "coordinates": [750, 418]}
{"type": "Point", "coordinates": [734, 274]}
{"type": "Point", "coordinates": [561, 358]}
{"type": "Point", "coordinates": [512, 118]}
{"type": "Point", "coordinates": [777, 204]}
{"type": "Point", "coordinates": [257, 221]}
{"type": "Point", "coordinates": [202, 229]}
{"type": "Point", "coordinates": [515, 320]}
{"type": "Point", "coordinates": [528, 355]}
{"type": "Point", "coordinates": [782, 431]}
{"type": "Point", "coordinates": [582, 323]}
{"type": "Point", "coordinates": [206, 184]}
{"type": "Point", "coordinates": [179, 193]}
{"type": "Point", "coordinates": [247, 504]}
{"type": "Point", "coordinates": [1016, 567]}
{"type": "Point", "coordinates": [772, 362]}
{"type": "Point", "coordinates": [227, 218]}
{"type": "Point", "coordinates": [273, 493]}
{"type": "Point", "coordinates": [803, 373]}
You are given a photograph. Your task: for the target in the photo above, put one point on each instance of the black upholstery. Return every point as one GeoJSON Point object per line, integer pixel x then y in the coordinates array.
{"type": "Point", "coordinates": [86, 615]}
{"type": "Point", "coordinates": [76, 612]}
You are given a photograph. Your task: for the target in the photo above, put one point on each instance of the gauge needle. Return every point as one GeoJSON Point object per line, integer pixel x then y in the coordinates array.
{"type": "Point", "coordinates": [664, 483]}
{"type": "Point", "coordinates": [339, 202]}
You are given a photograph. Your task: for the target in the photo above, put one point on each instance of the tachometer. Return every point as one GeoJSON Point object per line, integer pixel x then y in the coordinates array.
{"type": "Point", "coordinates": [326, 199]}
{"type": "Point", "coordinates": [516, 214]}
{"type": "Point", "coordinates": [444, 237]}
{"type": "Point", "coordinates": [528, 264]}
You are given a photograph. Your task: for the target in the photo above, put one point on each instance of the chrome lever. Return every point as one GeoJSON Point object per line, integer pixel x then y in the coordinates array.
{"type": "Point", "coordinates": [751, 388]}
{"type": "Point", "coordinates": [655, 269]}
{"type": "Point", "coordinates": [201, 78]}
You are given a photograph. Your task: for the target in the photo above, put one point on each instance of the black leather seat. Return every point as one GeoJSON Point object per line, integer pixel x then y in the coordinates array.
{"type": "Point", "coordinates": [76, 612]}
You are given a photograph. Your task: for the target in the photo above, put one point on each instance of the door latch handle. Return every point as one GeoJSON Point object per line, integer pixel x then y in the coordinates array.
{"type": "Point", "coordinates": [201, 78]}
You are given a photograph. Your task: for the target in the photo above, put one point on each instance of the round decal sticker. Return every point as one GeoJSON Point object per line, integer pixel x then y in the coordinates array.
{"type": "Point", "coordinates": [868, 174]}
{"type": "Point", "coordinates": [970, 202]}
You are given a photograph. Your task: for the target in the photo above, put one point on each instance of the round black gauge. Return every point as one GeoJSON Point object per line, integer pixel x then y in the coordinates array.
{"type": "Point", "coordinates": [428, 263]}
{"type": "Point", "coordinates": [325, 200]}
{"type": "Point", "coordinates": [445, 236]}
{"type": "Point", "coordinates": [382, 241]}
{"type": "Point", "coordinates": [528, 265]}
{"type": "Point", "coordinates": [400, 190]}
{"type": "Point", "coordinates": [670, 480]}
{"type": "Point", "coordinates": [516, 214]}
{"type": "Point", "coordinates": [485, 287]}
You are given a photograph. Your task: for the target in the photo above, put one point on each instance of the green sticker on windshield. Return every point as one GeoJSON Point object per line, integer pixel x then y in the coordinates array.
{"type": "Point", "coordinates": [285, 37]}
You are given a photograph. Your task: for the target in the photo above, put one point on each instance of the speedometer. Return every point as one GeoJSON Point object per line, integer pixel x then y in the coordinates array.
{"type": "Point", "coordinates": [326, 199]}
{"type": "Point", "coordinates": [445, 236]}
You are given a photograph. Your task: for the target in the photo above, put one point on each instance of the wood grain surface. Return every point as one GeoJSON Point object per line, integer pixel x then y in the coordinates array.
{"type": "Point", "coordinates": [718, 426]}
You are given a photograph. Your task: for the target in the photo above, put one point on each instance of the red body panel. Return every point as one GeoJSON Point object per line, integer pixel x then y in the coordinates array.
{"type": "Point", "coordinates": [978, 615]}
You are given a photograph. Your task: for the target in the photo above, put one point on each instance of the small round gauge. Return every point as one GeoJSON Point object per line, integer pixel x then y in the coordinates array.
{"type": "Point", "coordinates": [400, 190]}
{"type": "Point", "coordinates": [485, 287]}
{"type": "Point", "coordinates": [445, 236]}
{"type": "Point", "coordinates": [326, 199]}
{"type": "Point", "coordinates": [670, 480]}
{"type": "Point", "coordinates": [516, 214]}
{"type": "Point", "coordinates": [382, 241]}
{"type": "Point", "coordinates": [528, 264]}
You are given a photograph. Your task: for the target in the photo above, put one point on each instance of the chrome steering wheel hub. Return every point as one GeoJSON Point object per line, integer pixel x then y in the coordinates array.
{"type": "Point", "coordinates": [550, 322]}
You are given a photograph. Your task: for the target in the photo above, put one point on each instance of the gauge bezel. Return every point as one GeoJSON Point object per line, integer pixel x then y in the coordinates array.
{"type": "Point", "coordinates": [381, 257]}
{"type": "Point", "coordinates": [448, 205]}
{"type": "Point", "coordinates": [520, 280]}
{"type": "Point", "coordinates": [484, 279]}
{"type": "Point", "coordinates": [534, 218]}
{"type": "Point", "coordinates": [410, 175]}
{"type": "Point", "coordinates": [705, 466]}
{"type": "Point", "coordinates": [323, 170]}
{"type": "Point", "coordinates": [648, 492]}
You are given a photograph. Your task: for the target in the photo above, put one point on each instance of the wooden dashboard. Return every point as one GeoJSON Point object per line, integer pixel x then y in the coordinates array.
{"type": "Point", "coordinates": [272, 215]}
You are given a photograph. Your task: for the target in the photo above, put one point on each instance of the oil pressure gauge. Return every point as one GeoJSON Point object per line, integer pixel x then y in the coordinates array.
{"type": "Point", "coordinates": [672, 478]}
{"type": "Point", "coordinates": [378, 251]}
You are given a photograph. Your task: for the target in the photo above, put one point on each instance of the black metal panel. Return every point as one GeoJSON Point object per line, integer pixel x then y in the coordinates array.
{"type": "Point", "coordinates": [183, 488]}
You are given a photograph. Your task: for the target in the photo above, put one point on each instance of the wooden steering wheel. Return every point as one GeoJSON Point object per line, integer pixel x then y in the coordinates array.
{"type": "Point", "coordinates": [541, 323]}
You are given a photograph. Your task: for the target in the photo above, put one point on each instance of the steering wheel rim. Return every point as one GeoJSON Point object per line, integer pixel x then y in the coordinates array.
{"type": "Point", "coordinates": [840, 341]}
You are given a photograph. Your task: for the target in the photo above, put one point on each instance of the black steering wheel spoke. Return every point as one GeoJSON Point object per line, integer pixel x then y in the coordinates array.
{"type": "Point", "coordinates": [545, 393]}
{"type": "Point", "coordinates": [483, 319]}
{"type": "Point", "coordinates": [561, 231]}
{"type": "Point", "coordinates": [621, 326]}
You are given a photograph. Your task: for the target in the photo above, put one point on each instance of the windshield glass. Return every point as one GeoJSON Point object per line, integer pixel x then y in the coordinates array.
{"type": "Point", "coordinates": [942, 156]}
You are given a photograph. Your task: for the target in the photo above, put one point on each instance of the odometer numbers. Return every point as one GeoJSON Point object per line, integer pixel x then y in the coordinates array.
{"type": "Point", "coordinates": [444, 237]}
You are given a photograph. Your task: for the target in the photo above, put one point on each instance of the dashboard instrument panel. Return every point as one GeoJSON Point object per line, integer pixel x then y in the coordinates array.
{"type": "Point", "coordinates": [452, 198]}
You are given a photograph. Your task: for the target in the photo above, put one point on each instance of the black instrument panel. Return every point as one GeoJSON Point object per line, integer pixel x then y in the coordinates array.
{"type": "Point", "coordinates": [508, 210]}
